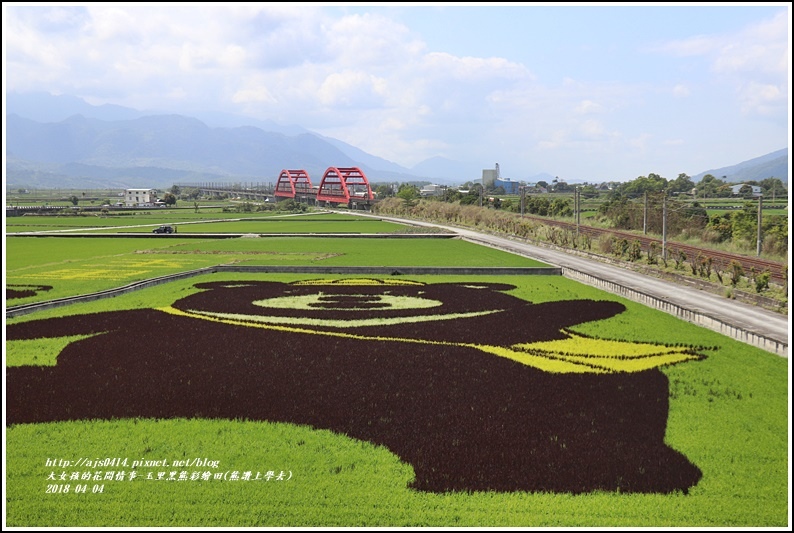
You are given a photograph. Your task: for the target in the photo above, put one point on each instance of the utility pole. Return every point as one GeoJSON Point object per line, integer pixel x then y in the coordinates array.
{"type": "Point", "coordinates": [645, 215]}
{"type": "Point", "coordinates": [664, 225]}
{"type": "Point", "coordinates": [577, 206]}
{"type": "Point", "coordinates": [523, 189]}
{"type": "Point", "coordinates": [758, 245]}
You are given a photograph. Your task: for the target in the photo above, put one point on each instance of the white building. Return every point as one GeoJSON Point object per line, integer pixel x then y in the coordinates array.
{"type": "Point", "coordinates": [736, 190]}
{"type": "Point", "coordinates": [139, 197]}
{"type": "Point", "coordinates": [432, 190]}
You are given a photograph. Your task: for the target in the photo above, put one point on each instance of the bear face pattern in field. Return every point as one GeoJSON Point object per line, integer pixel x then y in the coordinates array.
{"type": "Point", "coordinates": [475, 388]}
{"type": "Point", "coordinates": [14, 292]}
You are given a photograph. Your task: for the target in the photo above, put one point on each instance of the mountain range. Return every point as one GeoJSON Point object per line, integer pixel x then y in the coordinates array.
{"type": "Point", "coordinates": [772, 165]}
{"type": "Point", "coordinates": [64, 142]}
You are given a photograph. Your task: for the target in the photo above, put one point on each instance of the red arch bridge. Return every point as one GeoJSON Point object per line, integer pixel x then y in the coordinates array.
{"type": "Point", "coordinates": [338, 186]}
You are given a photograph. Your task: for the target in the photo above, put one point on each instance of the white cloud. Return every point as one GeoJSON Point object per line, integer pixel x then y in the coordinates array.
{"type": "Point", "coordinates": [760, 48]}
{"type": "Point", "coordinates": [352, 89]}
{"type": "Point", "coordinates": [640, 142]}
{"type": "Point", "coordinates": [114, 24]}
{"type": "Point", "coordinates": [762, 99]}
{"type": "Point", "coordinates": [368, 80]}
{"type": "Point", "coordinates": [369, 41]}
{"type": "Point", "coordinates": [253, 94]}
{"type": "Point", "coordinates": [681, 91]}
{"type": "Point", "coordinates": [587, 107]}
{"type": "Point", "coordinates": [554, 140]}
{"type": "Point", "coordinates": [592, 128]}
{"type": "Point", "coordinates": [698, 45]}
{"type": "Point", "coordinates": [756, 61]}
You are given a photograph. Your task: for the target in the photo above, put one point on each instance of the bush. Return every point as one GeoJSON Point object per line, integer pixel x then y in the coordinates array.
{"type": "Point", "coordinates": [736, 271]}
{"type": "Point", "coordinates": [605, 244]}
{"type": "Point", "coordinates": [762, 282]}
{"type": "Point", "coordinates": [635, 251]}
{"type": "Point", "coordinates": [711, 236]}
{"type": "Point", "coordinates": [774, 245]}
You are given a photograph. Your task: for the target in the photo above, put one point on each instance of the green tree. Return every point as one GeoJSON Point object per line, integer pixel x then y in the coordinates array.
{"type": "Point", "coordinates": [561, 207]}
{"type": "Point", "coordinates": [562, 186]}
{"type": "Point", "coordinates": [682, 184]}
{"type": "Point", "coordinates": [712, 187]}
{"type": "Point", "coordinates": [536, 205]}
{"type": "Point", "coordinates": [470, 199]}
{"type": "Point", "coordinates": [451, 195]}
{"type": "Point", "coordinates": [722, 225]}
{"type": "Point", "coordinates": [290, 205]}
{"type": "Point", "coordinates": [384, 190]}
{"type": "Point", "coordinates": [408, 192]}
{"type": "Point", "coordinates": [617, 211]}
{"type": "Point", "coordinates": [746, 191]}
{"type": "Point", "coordinates": [588, 191]}
{"type": "Point", "coordinates": [651, 184]}
{"type": "Point", "coordinates": [775, 231]}
{"type": "Point", "coordinates": [773, 187]}
{"type": "Point", "coordinates": [744, 225]}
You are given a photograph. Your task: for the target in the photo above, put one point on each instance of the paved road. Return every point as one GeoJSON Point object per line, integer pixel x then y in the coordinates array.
{"type": "Point", "coordinates": [743, 316]}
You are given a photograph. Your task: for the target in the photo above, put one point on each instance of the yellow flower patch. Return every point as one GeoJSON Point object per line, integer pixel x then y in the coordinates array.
{"type": "Point", "coordinates": [86, 274]}
{"type": "Point", "coordinates": [604, 355]}
{"type": "Point", "coordinates": [151, 263]}
{"type": "Point", "coordinates": [358, 281]}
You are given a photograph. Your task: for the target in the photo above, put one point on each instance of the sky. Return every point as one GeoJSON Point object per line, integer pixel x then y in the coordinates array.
{"type": "Point", "coordinates": [584, 92]}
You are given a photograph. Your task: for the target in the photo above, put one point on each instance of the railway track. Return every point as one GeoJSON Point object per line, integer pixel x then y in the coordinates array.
{"type": "Point", "coordinates": [778, 272]}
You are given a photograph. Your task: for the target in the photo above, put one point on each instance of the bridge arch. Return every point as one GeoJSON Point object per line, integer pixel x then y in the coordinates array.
{"type": "Point", "coordinates": [292, 182]}
{"type": "Point", "coordinates": [340, 185]}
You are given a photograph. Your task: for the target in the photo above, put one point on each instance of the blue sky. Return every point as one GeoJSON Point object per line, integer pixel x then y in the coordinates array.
{"type": "Point", "coordinates": [584, 92]}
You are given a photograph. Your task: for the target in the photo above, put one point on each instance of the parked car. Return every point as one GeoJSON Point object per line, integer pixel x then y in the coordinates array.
{"type": "Point", "coordinates": [164, 229]}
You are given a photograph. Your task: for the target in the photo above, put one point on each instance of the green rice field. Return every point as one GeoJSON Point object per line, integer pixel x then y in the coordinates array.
{"type": "Point", "coordinates": [73, 266]}
{"type": "Point", "coordinates": [190, 222]}
{"type": "Point", "coordinates": [728, 412]}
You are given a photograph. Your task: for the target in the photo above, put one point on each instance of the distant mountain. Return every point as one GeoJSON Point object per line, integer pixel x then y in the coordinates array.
{"type": "Point", "coordinates": [160, 149]}
{"type": "Point", "coordinates": [113, 146]}
{"type": "Point", "coordinates": [227, 120]}
{"type": "Point", "coordinates": [46, 107]}
{"type": "Point", "coordinates": [367, 159]}
{"type": "Point", "coordinates": [772, 165]}
{"type": "Point", "coordinates": [62, 141]}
